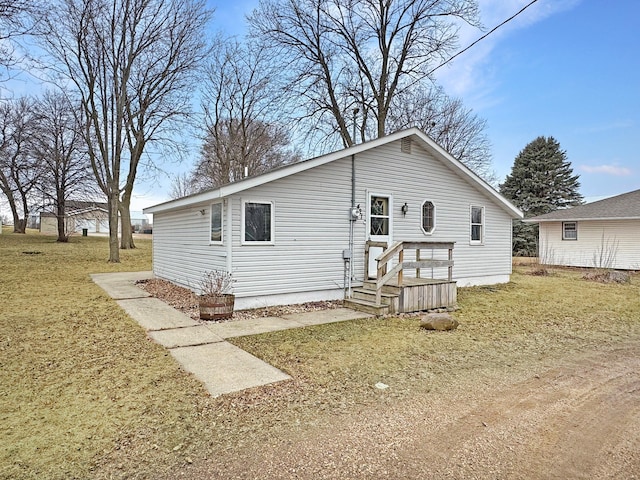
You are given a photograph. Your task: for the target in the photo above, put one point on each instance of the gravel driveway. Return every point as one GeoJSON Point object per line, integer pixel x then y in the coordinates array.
{"type": "Point", "coordinates": [577, 420]}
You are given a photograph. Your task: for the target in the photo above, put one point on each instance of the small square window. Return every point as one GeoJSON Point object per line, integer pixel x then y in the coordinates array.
{"type": "Point", "coordinates": [216, 223]}
{"type": "Point", "coordinates": [257, 222]}
{"type": "Point", "coordinates": [569, 231]}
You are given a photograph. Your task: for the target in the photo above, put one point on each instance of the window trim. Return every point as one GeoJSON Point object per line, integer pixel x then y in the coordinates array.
{"type": "Point", "coordinates": [433, 217]}
{"type": "Point", "coordinates": [221, 241]}
{"type": "Point", "coordinates": [471, 224]}
{"type": "Point", "coordinates": [389, 197]}
{"type": "Point", "coordinates": [243, 241]}
{"type": "Point", "coordinates": [575, 229]}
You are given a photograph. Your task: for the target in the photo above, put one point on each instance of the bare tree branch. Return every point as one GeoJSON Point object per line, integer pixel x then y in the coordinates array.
{"type": "Point", "coordinates": [242, 132]}
{"type": "Point", "coordinates": [132, 63]}
{"type": "Point", "coordinates": [344, 54]}
{"type": "Point", "coordinates": [19, 172]}
{"type": "Point", "coordinates": [60, 149]}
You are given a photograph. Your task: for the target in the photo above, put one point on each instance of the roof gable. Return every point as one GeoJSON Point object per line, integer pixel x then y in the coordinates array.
{"type": "Point", "coordinates": [621, 207]}
{"type": "Point", "coordinates": [414, 133]}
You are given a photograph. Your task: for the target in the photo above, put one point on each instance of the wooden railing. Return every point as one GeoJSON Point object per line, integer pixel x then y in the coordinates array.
{"type": "Point", "coordinates": [384, 274]}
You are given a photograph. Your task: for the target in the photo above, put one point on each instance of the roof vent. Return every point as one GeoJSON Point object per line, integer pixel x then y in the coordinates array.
{"type": "Point", "coordinates": [405, 145]}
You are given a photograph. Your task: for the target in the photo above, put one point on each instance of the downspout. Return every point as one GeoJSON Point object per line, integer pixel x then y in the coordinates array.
{"type": "Point", "coordinates": [229, 232]}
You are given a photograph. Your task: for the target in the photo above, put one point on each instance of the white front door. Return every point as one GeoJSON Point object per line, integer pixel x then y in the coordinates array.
{"type": "Point", "coordinates": [379, 225]}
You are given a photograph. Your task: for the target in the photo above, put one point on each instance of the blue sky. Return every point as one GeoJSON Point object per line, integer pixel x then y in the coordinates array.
{"type": "Point", "coordinates": [567, 69]}
{"type": "Point", "coordinates": [564, 68]}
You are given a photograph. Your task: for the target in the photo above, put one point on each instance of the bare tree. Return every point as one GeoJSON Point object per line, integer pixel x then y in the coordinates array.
{"type": "Point", "coordinates": [132, 63]}
{"type": "Point", "coordinates": [346, 54]}
{"type": "Point", "coordinates": [182, 184]}
{"type": "Point", "coordinates": [455, 128]}
{"type": "Point", "coordinates": [240, 102]}
{"type": "Point", "coordinates": [19, 172]}
{"type": "Point", "coordinates": [13, 23]}
{"type": "Point", "coordinates": [60, 149]}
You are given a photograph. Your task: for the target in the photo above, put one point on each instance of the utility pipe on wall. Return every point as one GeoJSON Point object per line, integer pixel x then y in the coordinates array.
{"type": "Point", "coordinates": [352, 212]}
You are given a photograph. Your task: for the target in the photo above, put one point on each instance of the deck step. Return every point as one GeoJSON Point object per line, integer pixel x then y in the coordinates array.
{"type": "Point", "coordinates": [366, 306]}
{"type": "Point", "coordinates": [370, 295]}
{"type": "Point", "coordinates": [370, 286]}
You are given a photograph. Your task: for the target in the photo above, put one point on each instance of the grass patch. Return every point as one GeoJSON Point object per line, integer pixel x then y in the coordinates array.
{"type": "Point", "coordinates": [85, 394]}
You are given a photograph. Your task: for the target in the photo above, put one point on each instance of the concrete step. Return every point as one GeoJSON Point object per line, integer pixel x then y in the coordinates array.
{"type": "Point", "coordinates": [366, 306]}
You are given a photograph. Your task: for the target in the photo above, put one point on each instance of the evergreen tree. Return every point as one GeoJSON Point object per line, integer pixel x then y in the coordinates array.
{"type": "Point", "coordinates": [540, 182]}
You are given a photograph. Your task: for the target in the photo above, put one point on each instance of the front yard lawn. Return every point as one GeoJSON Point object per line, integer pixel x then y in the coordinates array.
{"type": "Point", "coordinates": [85, 394]}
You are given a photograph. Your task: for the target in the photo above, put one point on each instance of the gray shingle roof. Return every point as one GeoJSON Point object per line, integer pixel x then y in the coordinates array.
{"type": "Point", "coordinates": [624, 206]}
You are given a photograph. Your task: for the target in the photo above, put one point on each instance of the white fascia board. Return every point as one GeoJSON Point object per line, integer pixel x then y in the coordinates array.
{"type": "Point", "coordinates": [85, 210]}
{"type": "Point", "coordinates": [294, 168]}
{"type": "Point", "coordinates": [580, 219]}
{"type": "Point", "coordinates": [276, 174]}
{"type": "Point", "coordinates": [467, 172]}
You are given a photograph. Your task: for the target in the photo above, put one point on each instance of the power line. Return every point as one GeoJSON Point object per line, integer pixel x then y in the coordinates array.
{"type": "Point", "coordinates": [483, 37]}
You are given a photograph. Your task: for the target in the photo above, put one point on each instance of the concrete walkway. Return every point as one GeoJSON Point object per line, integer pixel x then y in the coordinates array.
{"type": "Point", "coordinates": [200, 348]}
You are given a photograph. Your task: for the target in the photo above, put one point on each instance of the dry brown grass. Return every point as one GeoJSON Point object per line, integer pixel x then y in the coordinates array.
{"type": "Point", "coordinates": [85, 394]}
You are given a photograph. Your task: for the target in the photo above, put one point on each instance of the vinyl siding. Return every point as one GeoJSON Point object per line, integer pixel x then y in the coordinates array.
{"type": "Point", "coordinates": [416, 177]}
{"type": "Point", "coordinates": [181, 249]}
{"type": "Point", "coordinates": [618, 236]}
{"type": "Point", "coordinates": [311, 231]}
{"type": "Point", "coordinates": [312, 226]}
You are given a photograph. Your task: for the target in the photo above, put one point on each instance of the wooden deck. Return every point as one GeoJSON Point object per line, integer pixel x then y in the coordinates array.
{"type": "Point", "coordinates": [392, 292]}
{"type": "Point", "coordinates": [416, 294]}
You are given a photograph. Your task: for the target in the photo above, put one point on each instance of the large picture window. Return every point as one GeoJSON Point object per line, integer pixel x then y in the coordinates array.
{"type": "Point", "coordinates": [569, 231]}
{"type": "Point", "coordinates": [257, 222]}
{"type": "Point", "coordinates": [428, 217]}
{"type": "Point", "coordinates": [477, 224]}
{"type": "Point", "coordinates": [216, 223]}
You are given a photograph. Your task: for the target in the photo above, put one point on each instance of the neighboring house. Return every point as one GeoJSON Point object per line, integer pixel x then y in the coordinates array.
{"type": "Point", "coordinates": [139, 221]}
{"type": "Point", "coordinates": [602, 234]}
{"type": "Point", "coordinates": [285, 235]}
{"type": "Point", "coordinates": [92, 216]}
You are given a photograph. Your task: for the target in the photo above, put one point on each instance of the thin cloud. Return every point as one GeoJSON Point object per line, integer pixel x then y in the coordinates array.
{"type": "Point", "coordinates": [613, 170]}
{"type": "Point", "coordinates": [461, 78]}
{"type": "Point", "coordinates": [606, 127]}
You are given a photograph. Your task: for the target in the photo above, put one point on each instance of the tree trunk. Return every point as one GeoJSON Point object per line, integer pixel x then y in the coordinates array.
{"type": "Point", "coordinates": [126, 239]}
{"type": "Point", "coordinates": [60, 216]}
{"type": "Point", "coordinates": [114, 252]}
{"type": "Point", "coordinates": [19, 225]}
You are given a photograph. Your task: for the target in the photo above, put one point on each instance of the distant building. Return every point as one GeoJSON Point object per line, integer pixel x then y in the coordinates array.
{"type": "Point", "coordinates": [92, 216]}
{"type": "Point", "coordinates": [139, 222]}
{"type": "Point", "coordinates": [602, 234]}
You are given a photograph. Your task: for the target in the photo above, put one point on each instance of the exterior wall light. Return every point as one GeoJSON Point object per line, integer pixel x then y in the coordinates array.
{"type": "Point", "coordinates": [404, 209]}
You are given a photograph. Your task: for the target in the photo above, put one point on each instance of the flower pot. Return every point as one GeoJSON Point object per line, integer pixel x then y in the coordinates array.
{"type": "Point", "coordinates": [216, 307]}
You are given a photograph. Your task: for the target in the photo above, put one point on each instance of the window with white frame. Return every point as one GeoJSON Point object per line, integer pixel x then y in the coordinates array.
{"type": "Point", "coordinates": [477, 224]}
{"type": "Point", "coordinates": [569, 231]}
{"type": "Point", "coordinates": [379, 217]}
{"type": "Point", "coordinates": [257, 222]}
{"type": "Point", "coordinates": [216, 223]}
{"type": "Point", "coordinates": [428, 217]}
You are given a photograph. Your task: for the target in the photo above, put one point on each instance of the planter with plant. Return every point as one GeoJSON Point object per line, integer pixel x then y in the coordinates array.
{"type": "Point", "coordinates": [216, 300]}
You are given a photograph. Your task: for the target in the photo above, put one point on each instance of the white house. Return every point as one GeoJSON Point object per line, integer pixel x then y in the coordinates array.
{"type": "Point", "coordinates": [79, 216]}
{"type": "Point", "coordinates": [602, 234]}
{"type": "Point", "coordinates": [298, 233]}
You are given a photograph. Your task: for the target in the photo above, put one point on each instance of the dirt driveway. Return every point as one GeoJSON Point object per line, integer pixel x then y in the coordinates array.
{"type": "Point", "coordinates": [578, 419]}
